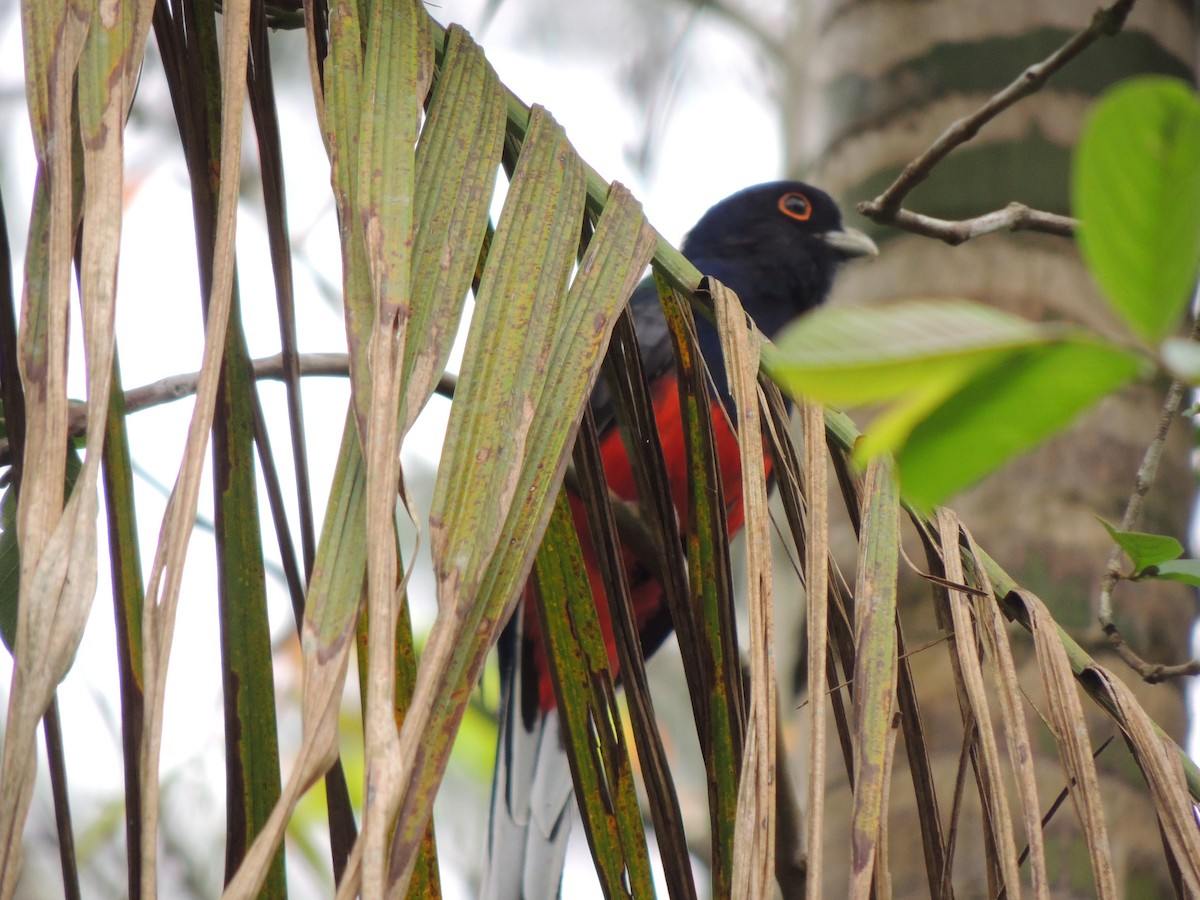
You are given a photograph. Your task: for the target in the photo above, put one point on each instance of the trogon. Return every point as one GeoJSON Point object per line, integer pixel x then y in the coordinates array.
{"type": "Point", "coordinates": [778, 246]}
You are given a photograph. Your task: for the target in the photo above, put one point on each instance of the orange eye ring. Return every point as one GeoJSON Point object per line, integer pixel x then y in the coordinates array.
{"type": "Point", "coordinates": [795, 205]}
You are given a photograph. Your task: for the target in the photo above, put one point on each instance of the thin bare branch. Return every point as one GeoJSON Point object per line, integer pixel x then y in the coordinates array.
{"type": "Point", "coordinates": [886, 208]}
{"type": "Point", "coordinates": [1142, 482]}
{"type": "Point", "coordinates": [1014, 217]}
{"type": "Point", "coordinates": [176, 387]}
{"type": "Point", "coordinates": [272, 368]}
{"type": "Point", "coordinates": [52, 731]}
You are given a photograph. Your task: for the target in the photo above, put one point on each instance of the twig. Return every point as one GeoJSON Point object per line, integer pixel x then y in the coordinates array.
{"type": "Point", "coordinates": [1142, 482]}
{"type": "Point", "coordinates": [1014, 217]}
{"type": "Point", "coordinates": [1054, 807]}
{"type": "Point", "coordinates": [176, 387]}
{"type": "Point", "coordinates": [886, 208]}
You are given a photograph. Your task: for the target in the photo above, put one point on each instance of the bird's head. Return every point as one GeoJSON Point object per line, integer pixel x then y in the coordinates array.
{"type": "Point", "coordinates": [778, 246]}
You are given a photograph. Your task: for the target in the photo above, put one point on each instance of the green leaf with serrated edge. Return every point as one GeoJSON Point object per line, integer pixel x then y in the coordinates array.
{"type": "Point", "coordinates": [1145, 550]}
{"type": "Point", "coordinates": [1005, 410]}
{"type": "Point", "coordinates": [918, 348]}
{"type": "Point", "coordinates": [1186, 571]}
{"type": "Point", "coordinates": [1135, 187]}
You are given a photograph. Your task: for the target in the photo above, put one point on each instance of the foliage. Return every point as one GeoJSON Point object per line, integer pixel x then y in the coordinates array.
{"type": "Point", "coordinates": [417, 124]}
{"type": "Point", "coordinates": [1156, 556]}
{"type": "Point", "coordinates": [968, 387]}
{"type": "Point", "coordinates": [1137, 194]}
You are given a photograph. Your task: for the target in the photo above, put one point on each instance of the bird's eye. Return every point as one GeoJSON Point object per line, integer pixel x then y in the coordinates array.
{"type": "Point", "coordinates": [795, 206]}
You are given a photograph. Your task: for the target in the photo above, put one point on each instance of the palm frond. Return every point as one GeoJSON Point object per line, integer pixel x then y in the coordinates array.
{"type": "Point", "coordinates": [418, 128]}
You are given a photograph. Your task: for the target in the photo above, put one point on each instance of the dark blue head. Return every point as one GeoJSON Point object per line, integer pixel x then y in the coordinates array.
{"type": "Point", "coordinates": [777, 245]}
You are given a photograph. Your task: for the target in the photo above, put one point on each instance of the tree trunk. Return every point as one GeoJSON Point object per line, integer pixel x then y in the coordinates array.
{"type": "Point", "coordinates": [868, 87]}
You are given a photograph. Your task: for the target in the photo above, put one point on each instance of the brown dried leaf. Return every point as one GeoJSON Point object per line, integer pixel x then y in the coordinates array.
{"type": "Point", "coordinates": [166, 573]}
{"type": "Point", "coordinates": [1070, 731]}
{"type": "Point", "coordinates": [754, 830]}
{"type": "Point", "coordinates": [816, 568]}
{"type": "Point", "coordinates": [993, 795]}
{"type": "Point", "coordinates": [1020, 751]}
{"type": "Point", "coordinates": [1158, 757]}
{"type": "Point", "coordinates": [874, 667]}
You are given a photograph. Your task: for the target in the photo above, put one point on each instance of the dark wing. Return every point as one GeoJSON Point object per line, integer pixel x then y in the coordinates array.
{"type": "Point", "coordinates": [654, 342]}
{"type": "Point", "coordinates": [532, 789]}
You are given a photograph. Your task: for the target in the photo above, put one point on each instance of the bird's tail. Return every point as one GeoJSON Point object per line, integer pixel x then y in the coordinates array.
{"type": "Point", "coordinates": [532, 793]}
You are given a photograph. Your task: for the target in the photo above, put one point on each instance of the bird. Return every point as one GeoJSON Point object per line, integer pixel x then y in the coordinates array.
{"type": "Point", "coordinates": [777, 245]}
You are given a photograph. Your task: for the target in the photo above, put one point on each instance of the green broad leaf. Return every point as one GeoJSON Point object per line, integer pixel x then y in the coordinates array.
{"type": "Point", "coordinates": [921, 350]}
{"type": "Point", "coordinates": [1005, 410]}
{"type": "Point", "coordinates": [1184, 570]}
{"type": "Point", "coordinates": [964, 387]}
{"type": "Point", "coordinates": [1145, 550]}
{"type": "Point", "coordinates": [1136, 190]}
